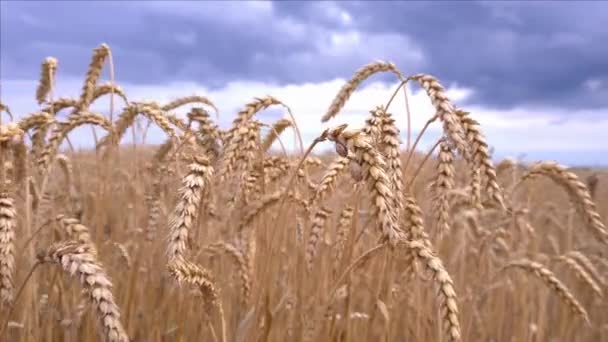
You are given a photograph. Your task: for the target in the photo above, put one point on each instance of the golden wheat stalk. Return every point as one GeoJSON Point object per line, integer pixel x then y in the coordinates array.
{"type": "Point", "coordinates": [109, 88]}
{"type": "Point", "coordinates": [177, 122]}
{"type": "Point", "coordinates": [61, 131]}
{"type": "Point", "coordinates": [4, 108]}
{"type": "Point", "coordinates": [240, 148]}
{"type": "Point", "coordinates": [328, 182]}
{"type": "Point", "coordinates": [553, 282]}
{"type": "Point", "coordinates": [480, 157]}
{"type": "Point", "coordinates": [10, 132]}
{"type": "Point", "coordinates": [79, 260]}
{"type": "Point", "coordinates": [190, 273]}
{"type": "Point", "coordinates": [20, 160]}
{"type": "Point", "coordinates": [445, 111]}
{"type": "Point", "coordinates": [349, 88]}
{"type": "Point", "coordinates": [316, 232]}
{"type": "Point", "coordinates": [76, 207]}
{"type": "Point", "coordinates": [11, 139]}
{"type": "Point", "coordinates": [578, 192]}
{"type": "Point", "coordinates": [389, 147]}
{"type": "Point", "coordinates": [208, 134]}
{"type": "Point", "coordinates": [8, 224]}
{"type": "Point", "coordinates": [264, 203]}
{"type": "Point", "coordinates": [152, 199]}
{"type": "Point", "coordinates": [182, 101]}
{"type": "Point", "coordinates": [247, 152]}
{"type": "Point", "coordinates": [40, 133]}
{"type": "Point", "coordinates": [446, 293]}
{"type": "Point", "coordinates": [475, 189]}
{"type": "Point", "coordinates": [35, 120]}
{"type": "Point", "coordinates": [384, 133]}
{"type": "Point", "coordinates": [187, 272]}
{"type": "Point", "coordinates": [77, 232]}
{"type": "Point", "coordinates": [125, 119]}
{"type": "Point", "coordinates": [47, 78]}
{"type": "Point", "coordinates": [275, 131]}
{"type": "Point", "coordinates": [372, 167]}
{"type": "Point", "coordinates": [60, 104]}
{"type": "Point", "coordinates": [157, 116]}
{"type": "Point", "coordinates": [414, 221]}
{"type": "Point", "coordinates": [584, 261]}
{"type": "Point", "coordinates": [240, 259]}
{"type": "Point", "coordinates": [442, 185]}
{"type": "Point", "coordinates": [344, 226]}
{"type": "Point", "coordinates": [100, 54]}
{"type": "Point", "coordinates": [581, 273]}
{"type": "Point", "coordinates": [185, 213]}
{"type": "Point", "coordinates": [247, 114]}
{"type": "Point", "coordinates": [275, 167]}
{"type": "Point", "coordinates": [373, 125]}
{"type": "Point", "coordinates": [154, 212]}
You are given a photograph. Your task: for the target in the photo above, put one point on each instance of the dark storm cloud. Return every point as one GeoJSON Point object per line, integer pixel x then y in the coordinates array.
{"type": "Point", "coordinates": [510, 54]}
{"type": "Point", "coordinates": [154, 42]}
{"type": "Point", "coordinates": [149, 46]}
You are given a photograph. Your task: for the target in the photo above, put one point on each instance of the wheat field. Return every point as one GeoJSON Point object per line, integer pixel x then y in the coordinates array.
{"type": "Point", "coordinates": [216, 236]}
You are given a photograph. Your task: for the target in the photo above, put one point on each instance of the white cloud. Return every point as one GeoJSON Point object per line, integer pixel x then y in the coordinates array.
{"type": "Point", "coordinates": [593, 84]}
{"type": "Point", "coordinates": [515, 131]}
{"type": "Point", "coordinates": [345, 17]}
{"type": "Point", "coordinates": [330, 44]}
{"type": "Point", "coordinates": [332, 12]}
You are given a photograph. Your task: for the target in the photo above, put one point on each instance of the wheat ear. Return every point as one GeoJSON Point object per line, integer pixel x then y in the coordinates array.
{"type": "Point", "coordinates": [587, 264]}
{"type": "Point", "coordinates": [109, 88]}
{"type": "Point", "coordinates": [60, 104]}
{"type": "Point", "coordinates": [480, 156]}
{"type": "Point", "coordinates": [47, 77]}
{"type": "Point", "coordinates": [35, 120]}
{"type": "Point", "coordinates": [344, 226]}
{"type": "Point", "coordinates": [443, 183]}
{"type": "Point", "coordinates": [78, 232]}
{"type": "Point", "coordinates": [249, 111]}
{"type": "Point", "coordinates": [240, 148]}
{"type": "Point", "coordinates": [551, 280]}
{"type": "Point", "coordinates": [208, 134]}
{"type": "Point", "coordinates": [61, 131]}
{"type": "Point", "coordinates": [79, 260]}
{"type": "Point", "coordinates": [329, 180]}
{"type": "Point", "coordinates": [445, 111]}
{"type": "Point", "coordinates": [349, 88]}
{"type": "Point", "coordinates": [185, 213]}
{"type": "Point", "coordinates": [240, 259]}
{"type": "Point", "coordinates": [75, 200]}
{"type": "Point", "coordinates": [8, 223]}
{"type": "Point", "coordinates": [447, 295]}
{"type": "Point", "coordinates": [9, 132]}
{"type": "Point", "coordinates": [316, 231]}
{"type": "Point", "coordinates": [127, 117]}
{"type": "Point", "coordinates": [275, 131]}
{"type": "Point", "coordinates": [93, 73]}
{"type": "Point", "coordinates": [182, 101]}
{"type": "Point", "coordinates": [372, 168]}
{"type": "Point", "coordinates": [581, 273]}
{"type": "Point", "coordinates": [190, 273]}
{"type": "Point", "coordinates": [577, 191]}
{"type": "Point", "coordinates": [265, 202]}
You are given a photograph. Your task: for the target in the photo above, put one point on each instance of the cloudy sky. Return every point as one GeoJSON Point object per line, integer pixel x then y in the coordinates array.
{"type": "Point", "coordinates": [534, 74]}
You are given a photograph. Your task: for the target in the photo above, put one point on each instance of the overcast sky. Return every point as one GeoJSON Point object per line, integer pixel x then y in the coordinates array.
{"type": "Point", "coordinates": [534, 74]}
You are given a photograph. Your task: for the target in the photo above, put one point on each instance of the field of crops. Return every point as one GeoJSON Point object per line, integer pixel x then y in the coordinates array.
{"type": "Point", "coordinates": [226, 235]}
